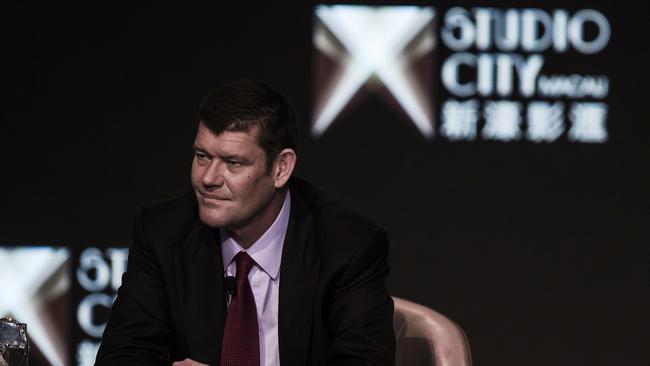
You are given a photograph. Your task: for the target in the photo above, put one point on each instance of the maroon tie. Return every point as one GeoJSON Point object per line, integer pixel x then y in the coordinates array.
{"type": "Point", "coordinates": [241, 343]}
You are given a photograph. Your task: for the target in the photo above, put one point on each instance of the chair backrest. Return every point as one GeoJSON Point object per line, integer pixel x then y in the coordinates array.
{"type": "Point", "coordinates": [426, 337]}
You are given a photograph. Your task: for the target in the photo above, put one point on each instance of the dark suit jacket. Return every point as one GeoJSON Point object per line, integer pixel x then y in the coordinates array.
{"type": "Point", "coordinates": [334, 308]}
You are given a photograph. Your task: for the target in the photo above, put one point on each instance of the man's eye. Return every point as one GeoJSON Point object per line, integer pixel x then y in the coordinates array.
{"type": "Point", "coordinates": [233, 163]}
{"type": "Point", "coordinates": [201, 156]}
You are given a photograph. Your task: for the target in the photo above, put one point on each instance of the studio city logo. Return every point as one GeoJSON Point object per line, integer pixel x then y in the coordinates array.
{"type": "Point", "coordinates": [506, 74]}
{"type": "Point", "coordinates": [34, 289]}
{"type": "Point", "coordinates": [373, 49]}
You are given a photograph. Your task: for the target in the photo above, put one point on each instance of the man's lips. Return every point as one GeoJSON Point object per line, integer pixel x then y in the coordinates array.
{"type": "Point", "coordinates": [213, 197]}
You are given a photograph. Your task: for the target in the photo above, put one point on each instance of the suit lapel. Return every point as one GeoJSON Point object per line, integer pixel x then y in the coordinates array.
{"type": "Point", "coordinates": [200, 282]}
{"type": "Point", "coordinates": [298, 278]}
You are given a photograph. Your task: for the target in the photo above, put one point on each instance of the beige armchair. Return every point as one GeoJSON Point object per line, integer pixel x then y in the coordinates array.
{"type": "Point", "coordinates": [426, 337]}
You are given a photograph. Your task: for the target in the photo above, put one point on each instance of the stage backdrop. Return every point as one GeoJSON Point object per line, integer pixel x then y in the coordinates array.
{"type": "Point", "coordinates": [503, 145]}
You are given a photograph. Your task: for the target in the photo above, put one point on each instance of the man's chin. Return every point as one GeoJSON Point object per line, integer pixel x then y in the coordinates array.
{"type": "Point", "coordinates": [212, 219]}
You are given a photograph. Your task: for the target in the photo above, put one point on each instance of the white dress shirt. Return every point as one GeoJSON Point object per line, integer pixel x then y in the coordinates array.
{"type": "Point", "coordinates": [264, 278]}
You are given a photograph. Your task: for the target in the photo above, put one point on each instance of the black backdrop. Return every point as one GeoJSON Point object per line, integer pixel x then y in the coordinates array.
{"type": "Point", "coordinates": [539, 251]}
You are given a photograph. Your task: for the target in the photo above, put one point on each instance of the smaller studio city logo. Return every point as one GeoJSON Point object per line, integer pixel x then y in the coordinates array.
{"type": "Point", "coordinates": [99, 276]}
{"type": "Point", "coordinates": [35, 288]}
{"type": "Point", "coordinates": [493, 82]}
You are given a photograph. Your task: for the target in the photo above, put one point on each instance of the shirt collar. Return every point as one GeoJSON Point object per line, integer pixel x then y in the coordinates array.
{"type": "Point", "coordinates": [267, 250]}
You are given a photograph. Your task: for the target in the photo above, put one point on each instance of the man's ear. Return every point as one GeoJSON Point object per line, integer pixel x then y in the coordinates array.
{"type": "Point", "coordinates": [284, 164]}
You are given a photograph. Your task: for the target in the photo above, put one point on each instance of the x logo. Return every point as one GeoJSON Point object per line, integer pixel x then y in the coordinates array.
{"type": "Point", "coordinates": [378, 42]}
{"type": "Point", "coordinates": [30, 277]}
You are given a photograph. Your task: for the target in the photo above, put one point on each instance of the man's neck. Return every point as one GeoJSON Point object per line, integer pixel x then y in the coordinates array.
{"type": "Point", "coordinates": [247, 235]}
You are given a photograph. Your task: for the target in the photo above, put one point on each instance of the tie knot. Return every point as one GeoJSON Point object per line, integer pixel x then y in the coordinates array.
{"type": "Point", "coordinates": [244, 265]}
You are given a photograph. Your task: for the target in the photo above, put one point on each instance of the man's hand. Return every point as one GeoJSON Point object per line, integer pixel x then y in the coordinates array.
{"type": "Point", "coordinates": [188, 362]}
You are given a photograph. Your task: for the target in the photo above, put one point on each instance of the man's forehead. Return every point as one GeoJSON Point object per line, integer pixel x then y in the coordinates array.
{"type": "Point", "coordinates": [234, 127]}
{"type": "Point", "coordinates": [241, 138]}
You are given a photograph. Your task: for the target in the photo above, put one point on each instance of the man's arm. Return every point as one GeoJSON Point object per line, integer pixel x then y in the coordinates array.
{"type": "Point", "coordinates": [361, 313]}
{"type": "Point", "coordinates": [138, 332]}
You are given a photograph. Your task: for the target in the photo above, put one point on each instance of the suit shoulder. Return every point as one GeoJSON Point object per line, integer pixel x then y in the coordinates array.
{"type": "Point", "coordinates": [168, 218]}
{"type": "Point", "coordinates": [184, 203]}
{"type": "Point", "coordinates": [336, 214]}
{"type": "Point", "coordinates": [334, 220]}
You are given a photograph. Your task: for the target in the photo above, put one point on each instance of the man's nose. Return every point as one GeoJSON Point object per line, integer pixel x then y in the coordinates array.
{"type": "Point", "coordinates": [213, 174]}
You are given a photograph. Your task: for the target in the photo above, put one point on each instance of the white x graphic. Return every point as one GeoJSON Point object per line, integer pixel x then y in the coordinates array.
{"type": "Point", "coordinates": [375, 38]}
{"type": "Point", "coordinates": [29, 277]}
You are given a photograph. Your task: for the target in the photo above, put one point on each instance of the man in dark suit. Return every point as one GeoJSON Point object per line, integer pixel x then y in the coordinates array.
{"type": "Point", "coordinates": [311, 273]}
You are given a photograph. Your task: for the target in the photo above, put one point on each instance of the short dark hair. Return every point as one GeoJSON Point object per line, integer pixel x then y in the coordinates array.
{"type": "Point", "coordinates": [245, 104]}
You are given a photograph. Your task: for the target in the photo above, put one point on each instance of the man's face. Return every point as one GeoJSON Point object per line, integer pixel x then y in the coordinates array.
{"type": "Point", "coordinates": [232, 183]}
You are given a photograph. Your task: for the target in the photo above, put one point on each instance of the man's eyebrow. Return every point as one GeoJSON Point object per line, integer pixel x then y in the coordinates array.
{"type": "Point", "coordinates": [240, 158]}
